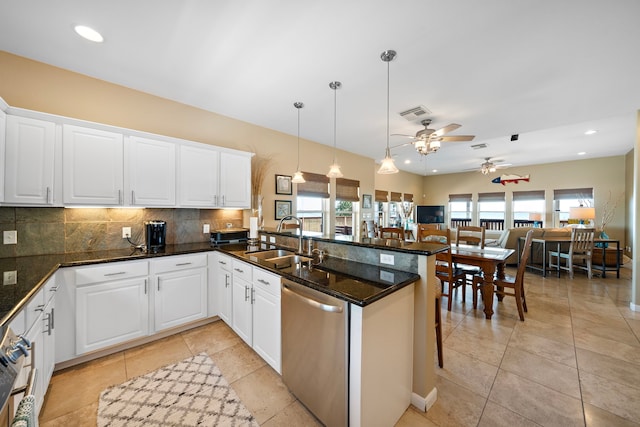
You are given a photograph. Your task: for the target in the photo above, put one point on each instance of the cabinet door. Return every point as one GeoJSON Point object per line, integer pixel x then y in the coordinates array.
{"type": "Point", "coordinates": [34, 360]}
{"type": "Point", "coordinates": [241, 312]}
{"type": "Point", "coordinates": [151, 172]}
{"type": "Point", "coordinates": [235, 180]}
{"type": "Point", "coordinates": [266, 327]}
{"type": "Point", "coordinates": [3, 134]}
{"type": "Point", "coordinates": [93, 166]}
{"type": "Point", "coordinates": [220, 288]}
{"type": "Point", "coordinates": [110, 313]}
{"type": "Point", "coordinates": [180, 297]}
{"type": "Point", "coordinates": [47, 351]}
{"type": "Point", "coordinates": [198, 176]}
{"type": "Point", "coordinates": [30, 149]}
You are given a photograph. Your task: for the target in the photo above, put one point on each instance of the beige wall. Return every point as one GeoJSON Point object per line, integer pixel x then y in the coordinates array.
{"type": "Point", "coordinates": [603, 175]}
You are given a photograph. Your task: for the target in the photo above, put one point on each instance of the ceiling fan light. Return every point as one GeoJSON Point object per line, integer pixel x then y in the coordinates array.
{"type": "Point", "coordinates": [434, 145]}
{"type": "Point", "coordinates": [388, 166]}
{"type": "Point", "coordinates": [334, 171]}
{"type": "Point", "coordinates": [298, 178]}
{"type": "Point", "coordinates": [492, 168]}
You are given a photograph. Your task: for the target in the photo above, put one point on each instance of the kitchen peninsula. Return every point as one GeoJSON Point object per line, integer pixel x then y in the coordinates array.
{"type": "Point", "coordinates": [344, 266]}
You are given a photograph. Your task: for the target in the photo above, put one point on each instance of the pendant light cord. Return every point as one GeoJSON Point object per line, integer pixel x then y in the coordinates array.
{"type": "Point", "coordinates": [298, 164]}
{"type": "Point", "coordinates": [388, 104]}
{"type": "Point", "coordinates": [335, 118]}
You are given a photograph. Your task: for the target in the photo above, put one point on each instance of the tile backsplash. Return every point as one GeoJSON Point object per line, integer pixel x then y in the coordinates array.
{"type": "Point", "coordinates": [65, 230]}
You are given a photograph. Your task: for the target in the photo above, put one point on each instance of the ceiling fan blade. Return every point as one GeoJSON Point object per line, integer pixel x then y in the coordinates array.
{"type": "Point", "coordinates": [457, 138]}
{"type": "Point", "coordinates": [403, 135]}
{"type": "Point", "coordinates": [448, 128]}
{"type": "Point", "coordinates": [401, 145]}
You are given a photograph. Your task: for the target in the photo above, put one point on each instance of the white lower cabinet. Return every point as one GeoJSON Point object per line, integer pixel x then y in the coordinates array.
{"type": "Point", "coordinates": [180, 291]}
{"type": "Point", "coordinates": [256, 310]}
{"type": "Point", "coordinates": [111, 313]}
{"type": "Point", "coordinates": [220, 286]}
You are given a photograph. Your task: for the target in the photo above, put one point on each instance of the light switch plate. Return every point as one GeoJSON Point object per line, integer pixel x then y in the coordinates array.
{"type": "Point", "coordinates": [386, 259]}
{"type": "Point", "coordinates": [126, 232]}
{"type": "Point", "coordinates": [205, 228]}
{"type": "Point", "coordinates": [10, 237]}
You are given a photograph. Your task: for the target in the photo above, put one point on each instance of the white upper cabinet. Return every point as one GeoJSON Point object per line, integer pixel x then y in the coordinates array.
{"type": "Point", "coordinates": [235, 180]}
{"type": "Point", "coordinates": [198, 176]}
{"type": "Point", "coordinates": [3, 133]}
{"type": "Point", "coordinates": [29, 161]}
{"type": "Point", "coordinates": [92, 166]}
{"type": "Point", "coordinates": [150, 177]}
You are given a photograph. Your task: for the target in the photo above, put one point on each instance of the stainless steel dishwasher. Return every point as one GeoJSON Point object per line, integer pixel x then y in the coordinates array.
{"type": "Point", "coordinates": [315, 351]}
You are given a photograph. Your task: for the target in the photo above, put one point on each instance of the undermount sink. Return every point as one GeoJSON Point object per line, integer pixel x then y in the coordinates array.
{"type": "Point", "coordinates": [280, 258]}
{"type": "Point", "coordinates": [274, 253]}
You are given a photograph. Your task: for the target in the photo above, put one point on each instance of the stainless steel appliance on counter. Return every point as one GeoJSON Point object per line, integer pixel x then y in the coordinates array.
{"type": "Point", "coordinates": [155, 235]}
{"type": "Point", "coordinates": [315, 351]}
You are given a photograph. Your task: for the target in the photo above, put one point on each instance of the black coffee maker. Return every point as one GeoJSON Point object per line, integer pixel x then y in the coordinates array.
{"type": "Point", "coordinates": [155, 235]}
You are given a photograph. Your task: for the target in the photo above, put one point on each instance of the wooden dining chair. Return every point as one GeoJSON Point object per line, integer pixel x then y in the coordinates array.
{"type": "Point", "coordinates": [420, 226]}
{"type": "Point", "coordinates": [391, 233]}
{"type": "Point", "coordinates": [579, 254]}
{"type": "Point", "coordinates": [511, 286]}
{"type": "Point", "coordinates": [445, 269]}
{"type": "Point", "coordinates": [470, 235]}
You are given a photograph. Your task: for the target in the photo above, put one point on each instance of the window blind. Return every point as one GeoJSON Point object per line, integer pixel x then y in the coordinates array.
{"type": "Point", "coordinates": [528, 195]}
{"type": "Point", "coordinates": [408, 197]}
{"type": "Point", "coordinates": [316, 185]}
{"type": "Point", "coordinates": [396, 197]}
{"type": "Point", "coordinates": [573, 193]}
{"type": "Point", "coordinates": [491, 197]}
{"type": "Point", "coordinates": [347, 190]}
{"type": "Point", "coordinates": [460, 197]}
{"type": "Point", "coordinates": [382, 196]}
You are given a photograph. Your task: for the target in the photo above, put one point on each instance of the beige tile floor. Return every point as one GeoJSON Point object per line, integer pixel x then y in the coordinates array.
{"type": "Point", "coordinates": [574, 361]}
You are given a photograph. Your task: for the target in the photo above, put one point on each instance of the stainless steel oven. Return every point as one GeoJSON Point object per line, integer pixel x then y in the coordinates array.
{"type": "Point", "coordinates": [13, 351]}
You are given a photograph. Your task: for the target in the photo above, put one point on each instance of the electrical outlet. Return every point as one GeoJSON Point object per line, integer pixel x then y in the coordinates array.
{"type": "Point", "coordinates": [10, 277]}
{"type": "Point", "coordinates": [126, 232]}
{"type": "Point", "coordinates": [272, 239]}
{"type": "Point", "coordinates": [10, 237]}
{"type": "Point", "coordinates": [386, 259]}
{"type": "Point", "coordinates": [205, 228]}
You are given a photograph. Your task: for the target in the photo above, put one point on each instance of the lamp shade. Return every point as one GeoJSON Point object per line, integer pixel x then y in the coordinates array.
{"type": "Point", "coordinates": [582, 213]}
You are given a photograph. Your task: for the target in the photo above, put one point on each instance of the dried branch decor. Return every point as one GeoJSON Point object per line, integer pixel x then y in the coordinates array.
{"type": "Point", "coordinates": [609, 209]}
{"type": "Point", "coordinates": [260, 165]}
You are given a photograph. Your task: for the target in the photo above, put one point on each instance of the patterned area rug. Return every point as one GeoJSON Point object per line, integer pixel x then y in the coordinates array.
{"type": "Point", "coordinates": [188, 393]}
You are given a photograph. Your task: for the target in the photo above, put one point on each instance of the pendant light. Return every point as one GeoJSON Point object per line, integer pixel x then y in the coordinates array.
{"type": "Point", "coordinates": [297, 177]}
{"type": "Point", "coordinates": [388, 166]}
{"type": "Point", "coordinates": [334, 169]}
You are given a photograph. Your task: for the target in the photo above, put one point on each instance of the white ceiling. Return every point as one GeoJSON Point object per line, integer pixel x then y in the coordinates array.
{"type": "Point", "coordinates": [546, 70]}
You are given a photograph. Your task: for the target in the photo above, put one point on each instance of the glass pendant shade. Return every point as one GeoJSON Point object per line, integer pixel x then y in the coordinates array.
{"type": "Point", "coordinates": [334, 171]}
{"type": "Point", "coordinates": [388, 165]}
{"type": "Point", "coordinates": [298, 178]}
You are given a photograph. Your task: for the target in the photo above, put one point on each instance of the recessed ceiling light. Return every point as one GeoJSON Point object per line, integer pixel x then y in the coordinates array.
{"type": "Point", "coordinates": [434, 170]}
{"type": "Point", "coordinates": [88, 33]}
{"type": "Point", "coordinates": [582, 153]}
{"type": "Point", "coordinates": [591, 132]}
{"type": "Point", "coordinates": [406, 162]}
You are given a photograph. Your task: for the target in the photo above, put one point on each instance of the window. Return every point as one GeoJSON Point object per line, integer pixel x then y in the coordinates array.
{"type": "Point", "coordinates": [460, 209]}
{"type": "Point", "coordinates": [528, 208]}
{"type": "Point", "coordinates": [347, 202]}
{"type": "Point", "coordinates": [381, 198]}
{"type": "Point", "coordinates": [491, 210]}
{"type": "Point", "coordinates": [395, 218]}
{"type": "Point", "coordinates": [310, 203]}
{"type": "Point", "coordinates": [563, 200]}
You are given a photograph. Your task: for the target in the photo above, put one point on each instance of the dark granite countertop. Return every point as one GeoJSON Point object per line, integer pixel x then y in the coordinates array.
{"type": "Point", "coordinates": [355, 282]}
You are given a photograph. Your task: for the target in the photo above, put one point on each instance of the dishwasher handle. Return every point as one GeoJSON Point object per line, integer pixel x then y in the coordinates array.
{"type": "Point", "coordinates": [313, 303]}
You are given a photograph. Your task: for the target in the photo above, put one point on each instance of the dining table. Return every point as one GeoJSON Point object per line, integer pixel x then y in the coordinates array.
{"type": "Point", "coordinates": [491, 260]}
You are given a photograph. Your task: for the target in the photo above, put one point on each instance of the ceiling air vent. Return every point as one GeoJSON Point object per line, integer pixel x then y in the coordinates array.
{"type": "Point", "coordinates": [479, 146]}
{"type": "Point", "coordinates": [415, 113]}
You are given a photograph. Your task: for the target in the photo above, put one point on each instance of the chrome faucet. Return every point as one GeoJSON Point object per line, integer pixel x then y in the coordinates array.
{"type": "Point", "coordinates": [300, 224]}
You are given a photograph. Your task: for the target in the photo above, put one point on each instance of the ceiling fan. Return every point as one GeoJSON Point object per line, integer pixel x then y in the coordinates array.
{"type": "Point", "coordinates": [427, 141]}
{"type": "Point", "coordinates": [490, 166]}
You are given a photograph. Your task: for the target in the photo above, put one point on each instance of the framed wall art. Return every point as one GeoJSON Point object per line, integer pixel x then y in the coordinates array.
{"type": "Point", "coordinates": [283, 185]}
{"type": "Point", "coordinates": [366, 201]}
{"type": "Point", "coordinates": [283, 208]}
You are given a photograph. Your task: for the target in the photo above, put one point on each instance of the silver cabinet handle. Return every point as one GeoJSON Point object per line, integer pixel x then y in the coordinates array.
{"type": "Point", "coordinates": [133, 197]}
{"type": "Point", "coordinates": [115, 274]}
{"type": "Point", "coordinates": [226, 280]}
{"type": "Point", "coordinates": [48, 196]}
{"type": "Point", "coordinates": [222, 262]}
{"type": "Point", "coordinates": [40, 307]}
{"type": "Point", "coordinates": [215, 200]}
{"type": "Point", "coordinates": [223, 200]}
{"type": "Point", "coordinates": [264, 282]}
{"type": "Point", "coordinates": [54, 289]}
{"type": "Point", "coordinates": [312, 302]}
{"type": "Point", "coordinates": [145, 286]}
{"type": "Point", "coordinates": [246, 293]}
{"type": "Point", "coordinates": [183, 263]}
{"type": "Point", "coordinates": [158, 281]}
{"type": "Point", "coordinates": [239, 270]}
{"type": "Point", "coordinates": [119, 197]}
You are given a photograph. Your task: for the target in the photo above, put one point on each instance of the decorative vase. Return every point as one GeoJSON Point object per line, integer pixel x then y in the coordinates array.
{"type": "Point", "coordinates": [256, 209]}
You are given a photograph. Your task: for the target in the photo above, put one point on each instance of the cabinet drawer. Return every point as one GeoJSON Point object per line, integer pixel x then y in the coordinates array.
{"type": "Point", "coordinates": [179, 262]}
{"type": "Point", "coordinates": [242, 270]}
{"type": "Point", "coordinates": [267, 281]}
{"type": "Point", "coordinates": [224, 262]}
{"type": "Point", "coordinates": [35, 307]}
{"type": "Point", "coordinates": [111, 271]}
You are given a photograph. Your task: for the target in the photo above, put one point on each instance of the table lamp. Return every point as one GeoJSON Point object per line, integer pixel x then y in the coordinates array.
{"type": "Point", "coordinates": [585, 215]}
